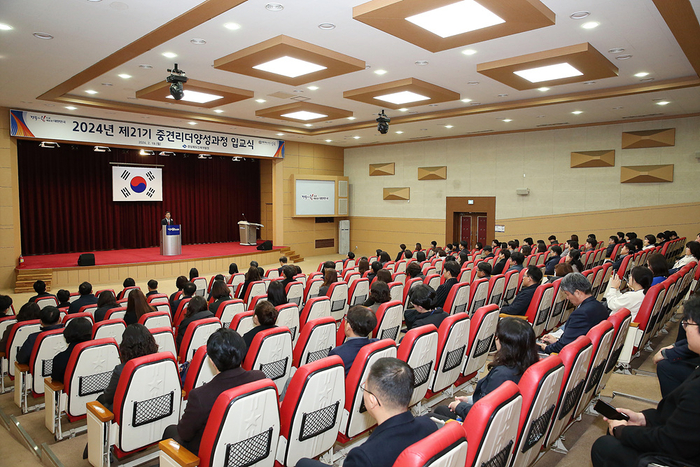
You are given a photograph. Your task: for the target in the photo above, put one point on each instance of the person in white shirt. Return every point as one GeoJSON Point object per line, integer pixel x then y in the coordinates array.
{"type": "Point", "coordinates": [640, 280]}
{"type": "Point", "coordinates": [692, 253]}
{"type": "Point", "coordinates": [649, 241]}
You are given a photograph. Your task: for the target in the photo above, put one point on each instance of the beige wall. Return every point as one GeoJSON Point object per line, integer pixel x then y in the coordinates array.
{"type": "Point", "coordinates": [10, 243]}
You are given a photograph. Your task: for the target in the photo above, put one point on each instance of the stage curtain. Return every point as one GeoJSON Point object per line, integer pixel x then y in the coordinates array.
{"type": "Point", "coordinates": [66, 199]}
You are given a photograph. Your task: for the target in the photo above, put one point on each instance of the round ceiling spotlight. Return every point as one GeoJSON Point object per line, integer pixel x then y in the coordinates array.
{"type": "Point", "coordinates": [616, 50]}
{"type": "Point", "coordinates": [198, 41]}
{"type": "Point", "coordinates": [421, 62]}
{"type": "Point", "coordinates": [326, 26]}
{"type": "Point", "coordinates": [145, 66]}
{"type": "Point", "coordinates": [274, 7]}
{"type": "Point", "coordinates": [623, 57]}
{"type": "Point", "coordinates": [43, 35]}
{"type": "Point", "coordinates": [472, 83]}
{"type": "Point", "coordinates": [580, 14]}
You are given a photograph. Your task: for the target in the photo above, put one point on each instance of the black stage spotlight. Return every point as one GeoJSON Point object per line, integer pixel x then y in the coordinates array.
{"type": "Point", "coordinates": [383, 123]}
{"type": "Point", "coordinates": [177, 79]}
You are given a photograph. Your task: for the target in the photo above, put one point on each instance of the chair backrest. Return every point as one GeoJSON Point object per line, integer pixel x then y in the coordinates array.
{"type": "Point", "coordinates": [272, 273]}
{"type": "Point", "coordinates": [295, 292]}
{"type": "Point", "coordinates": [540, 386]}
{"type": "Point", "coordinates": [453, 337]}
{"type": "Point", "coordinates": [395, 290]}
{"type": "Point", "coordinates": [355, 418]}
{"type": "Point", "coordinates": [418, 348]}
{"type": "Point", "coordinates": [478, 295]}
{"type": "Point", "coordinates": [156, 319]}
{"type": "Point", "coordinates": [227, 441]}
{"type": "Point", "coordinates": [228, 309]}
{"type": "Point", "coordinates": [254, 289]}
{"type": "Point", "coordinates": [315, 308]}
{"type": "Point", "coordinates": [200, 372]}
{"type": "Point", "coordinates": [271, 352]}
{"type": "Point", "coordinates": [88, 316]}
{"type": "Point", "coordinates": [512, 283]}
{"type": "Point", "coordinates": [113, 328]}
{"type": "Point", "coordinates": [433, 280]}
{"type": "Point", "coordinates": [242, 322]}
{"type": "Point", "coordinates": [559, 304]}
{"type": "Point", "coordinates": [196, 336]}
{"type": "Point", "coordinates": [6, 322]}
{"type": "Point", "coordinates": [410, 284]}
{"type": "Point", "coordinates": [447, 447]}
{"type": "Point", "coordinates": [457, 299]}
{"type": "Point", "coordinates": [157, 298]}
{"type": "Point", "coordinates": [493, 426]}
{"type": "Point", "coordinates": [165, 339]}
{"type": "Point", "coordinates": [127, 290]}
{"type": "Point", "coordinates": [338, 295]}
{"type": "Point", "coordinates": [540, 308]}
{"type": "Point", "coordinates": [88, 373]}
{"type": "Point", "coordinates": [253, 302]}
{"type": "Point", "coordinates": [18, 335]}
{"type": "Point", "coordinates": [288, 316]}
{"type": "Point", "coordinates": [601, 336]}
{"type": "Point", "coordinates": [497, 285]}
{"type": "Point", "coordinates": [482, 330]}
{"type": "Point", "coordinates": [621, 323]}
{"type": "Point", "coordinates": [350, 276]}
{"type": "Point", "coordinates": [316, 339]}
{"type": "Point", "coordinates": [359, 291]}
{"type": "Point", "coordinates": [147, 400]}
{"type": "Point", "coordinates": [399, 277]}
{"type": "Point", "coordinates": [201, 283]}
{"type": "Point", "coordinates": [74, 296]}
{"type": "Point", "coordinates": [47, 345]}
{"type": "Point", "coordinates": [389, 319]}
{"type": "Point", "coordinates": [49, 300]}
{"type": "Point", "coordinates": [311, 411]}
{"type": "Point", "coordinates": [313, 284]}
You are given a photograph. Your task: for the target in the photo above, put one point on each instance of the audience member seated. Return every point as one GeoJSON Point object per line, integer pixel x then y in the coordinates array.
{"type": "Point", "coordinates": [386, 395]}
{"type": "Point", "coordinates": [432, 251]}
{"type": "Point", "coordinates": [152, 287]}
{"type": "Point", "coordinates": [188, 291]}
{"type": "Point", "coordinates": [503, 257]}
{"type": "Point", "coordinates": [5, 307]}
{"type": "Point", "coordinates": [516, 261]}
{"type": "Point", "coordinates": [541, 247]}
{"type": "Point", "coordinates": [568, 246]}
{"type": "Point", "coordinates": [136, 307]}
{"type": "Point", "coordinates": [658, 265]}
{"type": "Point", "coordinates": [553, 240]}
{"type": "Point", "coordinates": [137, 341]}
{"type": "Point", "coordinates": [669, 432]}
{"type": "Point", "coordinates": [40, 289]}
{"type": "Point", "coordinates": [383, 275]}
{"type": "Point", "coordinates": [674, 363]}
{"type": "Point", "coordinates": [590, 244]}
{"type": "Point", "coordinates": [424, 310]}
{"type": "Point", "coordinates": [196, 310]}
{"type": "Point", "coordinates": [587, 314]}
{"type": "Point", "coordinates": [226, 349]}
{"type": "Point", "coordinates": [553, 260]}
{"type": "Point", "coordinates": [649, 241]}
{"type": "Point", "coordinates": [639, 282]}
{"type": "Point", "coordinates": [560, 270]}
{"type": "Point", "coordinates": [63, 297]}
{"type": "Point", "coordinates": [220, 293]}
{"type": "Point", "coordinates": [375, 268]}
{"type": "Point", "coordinates": [494, 244]}
{"type": "Point", "coordinates": [86, 298]}
{"type": "Point", "coordinates": [486, 253]}
{"type": "Point", "coordinates": [330, 276]}
{"type": "Point", "coordinates": [195, 273]}
{"type": "Point", "coordinates": [128, 282]}
{"type": "Point", "coordinates": [483, 270]}
{"type": "Point", "coordinates": [363, 266]}
{"type": "Point", "coordinates": [50, 319]}
{"type": "Point", "coordinates": [232, 269]}
{"type": "Point", "coordinates": [29, 311]}
{"type": "Point", "coordinates": [288, 272]}
{"type": "Point", "coordinates": [521, 302]}
{"type": "Point", "coordinates": [105, 302]}
{"type": "Point", "coordinates": [276, 294]}
{"type": "Point", "coordinates": [612, 241]}
{"type": "Point", "coordinates": [622, 252]}
{"type": "Point", "coordinates": [526, 250]}
{"type": "Point", "coordinates": [180, 284]}
{"type": "Point", "coordinates": [264, 318]}
{"type": "Point", "coordinates": [463, 257]}
{"type": "Point", "coordinates": [516, 350]}
{"type": "Point", "coordinates": [420, 256]}
{"type": "Point", "coordinates": [218, 277]}
{"type": "Point", "coordinates": [378, 294]}
{"type": "Point", "coordinates": [574, 259]}
{"type": "Point", "coordinates": [384, 258]}
{"type": "Point", "coordinates": [450, 272]}
{"type": "Point", "coordinates": [77, 330]}
{"type": "Point", "coordinates": [413, 270]}
{"type": "Point", "coordinates": [253, 275]}
{"type": "Point", "coordinates": [399, 255]}
{"type": "Point", "coordinates": [283, 262]}
{"type": "Point", "coordinates": [359, 323]}
{"type": "Point", "coordinates": [692, 253]}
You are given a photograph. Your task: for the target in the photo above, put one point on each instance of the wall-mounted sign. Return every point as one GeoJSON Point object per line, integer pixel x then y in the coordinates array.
{"type": "Point", "coordinates": [500, 228]}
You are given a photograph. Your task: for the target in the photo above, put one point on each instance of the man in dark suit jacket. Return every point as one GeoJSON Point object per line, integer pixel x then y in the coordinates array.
{"type": "Point", "coordinates": [50, 320]}
{"type": "Point", "coordinates": [450, 271]}
{"type": "Point", "coordinates": [521, 302]}
{"type": "Point", "coordinates": [40, 289]}
{"type": "Point", "coordinates": [86, 298]}
{"type": "Point", "coordinates": [552, 261]}
{"type": "Point", "coordinates": [386, 394]}
{"type": "Point", "coordinates": [587, 314]}
{"type": "Point", "coordinates": [516, 261]}
{"type": "Point", "coordinates": [359, 323]}
{"type": "Point", "coordinates": [167, 220]}
{"type": "Point", "coordinates": [226, 349]}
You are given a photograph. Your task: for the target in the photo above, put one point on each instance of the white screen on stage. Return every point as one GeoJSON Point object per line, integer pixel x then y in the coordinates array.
{"type": "Point", "coordinates": [315, 197]}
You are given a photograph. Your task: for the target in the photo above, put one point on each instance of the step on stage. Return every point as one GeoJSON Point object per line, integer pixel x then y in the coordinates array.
{"type": "Point", "coordinates": [142, 264]}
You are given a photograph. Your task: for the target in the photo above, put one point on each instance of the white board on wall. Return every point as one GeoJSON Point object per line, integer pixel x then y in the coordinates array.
{"type": "Point", "coordinates": [315, 197]}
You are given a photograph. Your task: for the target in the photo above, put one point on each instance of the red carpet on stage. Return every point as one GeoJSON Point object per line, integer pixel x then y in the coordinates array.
{"type": "Point", "coordinates": [140, 255]}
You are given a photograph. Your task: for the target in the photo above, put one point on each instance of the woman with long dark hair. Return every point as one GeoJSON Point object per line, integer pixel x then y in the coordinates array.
{"type": "Point", "coordinates": [253, 275]}
{"type": "Point", "coordinates": [330, 276]}
{"type": "Point", "coordinates": [275, 293]}
{"type": "Point", "coordinates": [196, 310]}
{"type": "Point", "coordinates": [105, 302]}
{"type": "Point", "coordinates": [658, 265]}
{"type": "Point", "coordinates": [220, 293]}
{"type": "Point", "coordinates": [378, 294]}
{"type": "Point", "coordinates": [136, 307]}
{"type": "Point", "coordinates": [574, 259]}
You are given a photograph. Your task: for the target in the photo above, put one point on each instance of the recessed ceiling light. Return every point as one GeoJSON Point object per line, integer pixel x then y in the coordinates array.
{"type": "Point", "coordinates": [106, 84]}
{"type": "Point", "coordinates": [577, 112]}
{"type": "Point", "coordinates": [289, 67]}
{"type": "Point", "coordinates": [192, 123]}
{"type": "Point", "coordinates": [543, 89]}
{"type": "Point", "coordinates": [326, 26]}
{"type": "Point", "coordinates": [579, 15]}
{"type": "Point", "coordinates": [169, 55]}
{"type": "Point", "coordinates": [351, 118]}
{"type": "Point", "coordinates": [663, 103]}
{"type": "Point", "coordinates": [473, 83]}
{"type": "Point", "coordinates": [232, 26]}
{"type": "Point", "coordinates": [5, 27]}
{"type": "Point", "coordinates": [379, 72]}
{"type": "Point", "coordinates": [70, 107]}
{"type": "Point", "coordinates": [197, 97]}
{"type": "Point", "coordinates": [645, 80]}
{"type": "Point", "coordinates": [469, 51]}
{"type": "Point", "coordinates": [449, 126]}
{"type": "Point", "coordinates": [260, 101]}
{"type": "Point", "coordinates": [475, 103]}
{"type": "Point", "coordinates": [274, 7]}
{"type": "Point", "coordinates": [356, 137]}
{"type": "Point", "coordinates": [616, 50]}
{"type": "Point", "coordinates": [403, 109]}
{"type": "Point", "coordinates": [623, 57]}
{"type": "Point", "coordinates": [304, 115]}
{"type": "Point", "coordinates": [503, 95]}
{"type": "Point", "coordinates": [618, 107]}
{"type": "Point", "coordinates": [329, 140]}
{"type": "Point", "coordinates": [548, 73]}
{"type": "Point", "coordinates": [421, 62]}
{"type": "Point", "coordinates": [466, 101]}
{"type": "Point", "coordinates": [399, 132]}
{"type": "Point", "coordinates": [589, 82]}
{"type": "Point", "coordinates": [506, 120]}
{"type": "Point", "coordinates": [219, 111]}
{"type": "Point", "coordinates": [312, 88]}
{"type": "Point", "coordinates": [124, 76]}
{"type": "Point", "coordinates": [145, 66]}
{"type": "Point", "coordinates": [280, 134]}
{"type": "Point", "coordinates": [43, 35]}
{"type": "Point", "coordinates": [198, 41]}
{"type": "Point", "coordinates": [641, 74]}
{"type": "Point", "coordinates": [433, 105]}
{"type": "Point", "coordinates": [590, 25]}
{"type": "Point", "coordinates": [91, 91]}
{"type": "Point", "coordinates": [457, 18]}
{"type": "Point", "coordinates": [308, 124]}
{"type": "Point", "coordinates": [402, 97]}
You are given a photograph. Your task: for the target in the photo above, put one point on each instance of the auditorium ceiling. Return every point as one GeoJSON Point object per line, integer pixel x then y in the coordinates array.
{"type": "Point", "coordinates": [320, 71]}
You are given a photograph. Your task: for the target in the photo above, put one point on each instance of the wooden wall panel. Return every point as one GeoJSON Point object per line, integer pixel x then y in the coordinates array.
{"type": "Point", "coordinates": [646, 173]}
{"type": "Point", "coordinates": [402, 193]}
{"type": "Point", "coordinates": [376, 170]}
{"type": "Point", "coordinates": [649, 138]}
{"type": "Point", "coordinates": [432, 173]}
{"type": "Point", "coordinates": [581, 159]}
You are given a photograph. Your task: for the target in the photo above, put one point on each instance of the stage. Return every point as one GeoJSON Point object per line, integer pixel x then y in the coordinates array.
{"type": "Point", "coordinates": [142, 264]}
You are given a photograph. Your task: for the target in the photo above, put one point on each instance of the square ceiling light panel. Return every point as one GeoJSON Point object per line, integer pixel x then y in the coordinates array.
{"type": "Point", "coordinates": [437, 25]}
{"type": "Point", "coordinates": [409, 92]}
{"type": "Point", "coordinates": [565, 65]}
{"type": "Point", "coordinates": [197, 94]}
{"type": "Point", "coordinates": [290, 61]}
{"type": "Point", "coordinates": [303, 112]}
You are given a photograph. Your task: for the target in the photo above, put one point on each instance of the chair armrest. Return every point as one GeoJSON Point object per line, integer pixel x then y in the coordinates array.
{"type": "Point", "coordinates": [177, 453]}
{"type": "Point", "coordinates": [506, 315]}
{"type": "Point", "coordinates": [634, 324]}
{"type": "Point", "coordinates": [54, 385]}
{"type": "Point", "coordinates": [21, 367]}
{"type": "Point", "coordinates": [99, 411]}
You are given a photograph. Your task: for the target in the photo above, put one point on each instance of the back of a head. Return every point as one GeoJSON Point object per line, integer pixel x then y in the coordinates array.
{"type": "Point", "coordinates": [535, 273]}
{"type": "Point", "coordinates": [383, 275]}
{"type": "Point", "coordinates": [631, 235]}
{"type": "Point", "coordinates": [195, 305]}
{"type": "Point", "coordinates": [363, 266]}
{"type": "Point", "coordinates": [275, 293]}
{"type": "Point", "coordinates": [376, 266]}
{"type": "Point", "coordinates": [5, 303]}
{"type": "Point", "coordinates": [643, 276]}
{"type": "Point", "coordinates": [137, 341]}
{"type": "Point", "coordinates": [552, 238]}
{"type": "Point", "coordinates": [180, 282]}
{"type": "Point", "coordinates": [419, 247]}
{"type": "Point", "coordinates": [452, 267]}
{"type": "Point", "coordinates": [485, 267]}
{"type": "Point", "coordinates": [576, 281]}
{"type": "Point", "coordinates": [556, 249]}
{"type": "Point", "coordinates": [408, 254]}
{"type": "Point", "coordinates": [329, 265]}
{"type": "Point", "coordinates": [137, 303]}
{"type": "Point", "coordinates": [362, 320]}
{"type": "Point", "coordinates": [380, 291]}
{"type": "Point", "coordinates": [62, 295]}
{"type": "Point", "coordinates": [518, 344]}
{"type": "Point", "coordinates": [402, 246]}
{"type": "Point", "coordinates": [420, 256]}
{"type": "Point", "coordinates": [226, 349]}
{"type": "Point", "coordinates": [153, 284]}
{"type": "Point", "coordinates": [351, 255]}
{"type": "Point", "coordinates": [541, 248]}
{"type": "Point", "coordinates": [330, 276]}
{"type": "Point", "coordinates": [441, 252]}
{"type": "Point", "coordinates": [574, 237]}
{"type": "Point", "coordinates": [658, 264]}
{"type": "Point", "coordinates": [39, 287]}
{"type": "Point", "coordinates": [413, 269]}
{"type": "Point", "coordinates": [78, 330]}
{"type": "Point", "coordinates": [283, 259]}
{"type": "Point", "coordinates": [188, 290]}
{"type": "Point", "coordinates": [28, 312]}
{"type": "Point", "coordinates": [506, 253]}
{"type": "Point", "coordinates": [129, 282]}
{"type": "Point", "coordinates": [49, 315]}
{"type": "Point", "coordinates": [423, 295]}
{"type": "Point", "coordinates": [233, 268]}
{"type": "Point", "coordinates": [106, 297]}
{"type": "Point", "coordinates": [529, 241]}
{"type": "Point", "coordinates": [526, 250]}
{"type": "Point", "coordinates": [266, 313]}
{"type": "Point", "coordinates": [194, 273]}
{"type": "Point", "coordinates": [384, 257]}
{"type": "Point", "coordinates": [562, 269]}
{"type": "Point", "coordinates": [391, 380]}
{"type": "Point", "coordinates": [253, 274]}
{"type": "Point", "coordinates": [254, 264]}
{"type": "Point", "coordinates": [517, 257]}
{"type": "Point", "coordinates": [512, 245]}
{"type": "Point", "coordinates": [220, 290]}
{"type": "Point", "coordinates": [288, 272]}
{"type": "Point", "coordinates": [85, 288]}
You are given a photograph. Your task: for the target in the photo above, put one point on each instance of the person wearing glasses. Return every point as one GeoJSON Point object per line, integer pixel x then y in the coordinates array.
{"type": "Point", "coordinates": [386, 394]}
{"type": "Point", "coordinates": [668, 433]}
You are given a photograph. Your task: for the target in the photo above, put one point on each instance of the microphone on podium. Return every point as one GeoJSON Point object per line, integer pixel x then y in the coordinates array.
{"type": "Point", "coordinates": [243, 214]}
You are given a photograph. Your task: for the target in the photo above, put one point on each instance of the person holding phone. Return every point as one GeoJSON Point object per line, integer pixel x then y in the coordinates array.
{"type": "Point", "coordinates": [668, 432]}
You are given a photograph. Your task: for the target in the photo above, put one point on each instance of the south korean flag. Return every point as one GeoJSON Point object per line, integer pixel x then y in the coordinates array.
{"type": "Point", "coordinates": [137, 184]}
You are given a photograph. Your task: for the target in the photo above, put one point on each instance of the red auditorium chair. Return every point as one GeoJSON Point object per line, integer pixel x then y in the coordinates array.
{"type": "Point", "coordinates": [447, 447]}
{"type": "Point", "coordinates": [113, 328]}
{"type": "Point", "coordinates": [253, 302]}
{"type": "Point", "coordinates": [18, 335]}
{"type": "Point", "coordinates": [157, 299]}
{"type": "Point", "coordinates": [457, 299]}
{"type": "Point", "coordinates": [165, 339]}
{"type": "Point", "coordinates": [313, 284]}
{"type": "Point", "coordinates": [199, 373]}
{"type": "Point", "coordinates": [124, 294]}
{"type": "Point", "coordinates": [301, 278]}
{"type": "Point", "coordinates": [88, 309]}
{"type": "Point", "coordinates": [478, 295]}
{"type": "Point", "coordinates": [180, 312]}
{"type": "Point", "coordinates": [410, 284]}
{"type": "Point", "coordinates": [228, 309]}
{"type": "Point", "coordinates": [315, 308]}
{"type": "Point", "coordinates": [389, 319]}
{"type": "Point", "coordinates": [87, 375]}
{"type": "Point", "coordinates": [295, 292]}
{"type": "Point", "coordinates": [621, 324]}
{"type": "Point", "coordinates": [356, 420]}
{"type": "Point", "coordinates": [311, 411]}
{"type": "Point", "coordinates": [433, 280]}
{"type": "Point", "coordinates": [482, 330]}
{"type": "Point", "coordinates": [438, 263]}
{"type": "Point", "coordinates": [625, 266]}
{"type": "Point", "coordinates": [87, 315]}
{"type": "Point", "coordinates": [427, 269]}
{"type": "Point", "coordinates": [358, 292]}
{"type": "Point", "coordinates": [147, 400]}
{"type": "Point", "coordinates": [350, 276]}
{"type": "Point", "coordinates": [163, 307]}
{"type": "Point", "coordinates": [201, 284]}
{"type": "Point", "coordinates": [497, 285]}
{"type": "Point", "coordinates": [400, 265]}
{"type": "Point", "coordinates": [641, 326]}
{"type": "Point", "coordinates": [539, 386]}
{"type": "Point", "coordinates": [511, 287]}
{"type": "Point", "coordinates": [418, 349]}
{"type": "Point", "coordinates": [540, 308]}
{"type": "Point", "coordinates": [227, 441]}
{"type": "Point", "coordinates": [254, 289]}
{"type": "Point", "coordinates": [272, 273]}
{"type": "Point", "coordinates": [196, 335]}
{"type": "Point", "coordinates": [453, 337]}
{"type": "Point", "coordinates": [492, 427]}
{"type": "Point", "coordinates": [74, 296]}
{"type": "Point", "coordinates": [465, 274]}
{"type": "Point", "coordinates": [395, 290]}
{"type": "Point", "coordinates": [559, 304]}
{"type": "Point", "coordinates": [235, 280]}
{"type": "Point", "coordinates": [399, 277]}
{"type": "Point", "coordinates": [31, 377]}
{"type": "Point", "coordinates": [389, 266]}
{"type": "Point", "coordinates": [156, 319]}
{"type": "Point", "coordinates": [46, 301]}
{"type": "Point", "coordinates": [288, 316]}
{"type": "Point", "coordinates": [271, 352]}
{"type": "Point", "coordinates": [338, 295]}
{"type": "Point", "coordinates": [97, 293]}
{"type": "Point", "coordinates": [601, 336]}
{"type": "Point", "coordinates": [316, 340]}
{"type": "Point", "coordinates": [242, 322]}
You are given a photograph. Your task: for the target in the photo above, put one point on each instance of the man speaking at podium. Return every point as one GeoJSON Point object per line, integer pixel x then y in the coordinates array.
{"type": "Point", "coordinates": [168, 220]}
